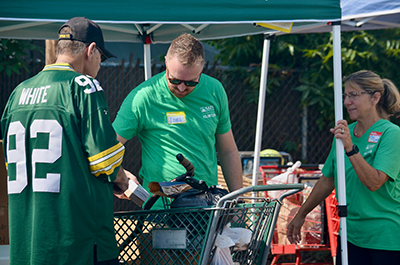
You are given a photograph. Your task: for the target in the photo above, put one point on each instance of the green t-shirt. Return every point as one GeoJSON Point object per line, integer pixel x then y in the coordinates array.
{"type": "Point", "coordinates": [167, 125]}
{"type": "Point", "coordinates": [62, 154]}
{"type": "Point", "coordinates": [373, 219]}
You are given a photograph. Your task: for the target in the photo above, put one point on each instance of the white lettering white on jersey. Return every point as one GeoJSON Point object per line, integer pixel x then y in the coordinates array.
{"type": "Point", "coordinates": [52, 181]}
{"type": "Point", "coordinates": [33, 95]}
{"type": "Point", "coordinates": [23, 96]}
{"type": "Point", "coordinates": [98, 86]}
{"type": "Point", "coordinates": [18, 156]}
{"type": "Point", "coordinates": [43, 90]}
{"type": "Point", "coordinates": [84, 80]}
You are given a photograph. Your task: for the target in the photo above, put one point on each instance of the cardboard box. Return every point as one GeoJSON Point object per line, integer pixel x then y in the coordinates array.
{"type": "Point", "coordinates": [3, 178]}
{"type": "Point", "coordinates": [4, 235]}
{"type": "Point", "coordinates": [137, 193]}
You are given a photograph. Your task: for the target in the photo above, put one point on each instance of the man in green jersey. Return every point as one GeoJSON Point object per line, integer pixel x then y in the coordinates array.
{"type": "Point", "coordinates": [183, 111]}
{"type": "Point", "coordinates": [63, 157]}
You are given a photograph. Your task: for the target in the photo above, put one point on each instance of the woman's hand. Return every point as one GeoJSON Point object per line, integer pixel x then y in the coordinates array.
{"type": "Point", "coordinates": [294, 229]}
{"type": "Point", "coordinates": [342, 132]}
{"type": "Point", "coordinates": [321, 190]}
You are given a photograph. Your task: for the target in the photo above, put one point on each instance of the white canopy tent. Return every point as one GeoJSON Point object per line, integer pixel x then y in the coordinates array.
{"type": "Point", "coordinates": [356, 15]}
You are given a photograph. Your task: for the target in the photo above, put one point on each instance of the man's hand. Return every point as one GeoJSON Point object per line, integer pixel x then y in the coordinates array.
{"type": "Point", "coordinates": [121, 183]}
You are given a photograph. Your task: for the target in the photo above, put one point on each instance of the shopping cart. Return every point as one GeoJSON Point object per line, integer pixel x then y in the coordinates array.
{"type": "Point", "coordinates": [188, 235]}
{"type": "Point", "coordinates": [315, 236]}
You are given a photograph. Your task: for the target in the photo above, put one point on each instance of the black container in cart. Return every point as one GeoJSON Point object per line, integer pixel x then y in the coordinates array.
{"type": "Point", "coordinates": [188, 235]}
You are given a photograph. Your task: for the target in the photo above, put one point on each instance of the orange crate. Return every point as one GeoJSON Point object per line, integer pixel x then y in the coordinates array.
{"type": "Point", "coordinates": [312, 230]}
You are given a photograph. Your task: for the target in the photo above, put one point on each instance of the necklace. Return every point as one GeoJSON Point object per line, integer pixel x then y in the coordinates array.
{"type": "Point", "coordinates": [354, 131]}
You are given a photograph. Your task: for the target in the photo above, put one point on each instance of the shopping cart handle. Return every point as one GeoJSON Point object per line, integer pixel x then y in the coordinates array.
{"type": "Point", "coordinates": [293, 188]}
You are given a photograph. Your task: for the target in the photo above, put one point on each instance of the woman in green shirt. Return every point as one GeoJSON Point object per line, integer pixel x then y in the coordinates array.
{"type": "Point", "coordinates": [372, 170]}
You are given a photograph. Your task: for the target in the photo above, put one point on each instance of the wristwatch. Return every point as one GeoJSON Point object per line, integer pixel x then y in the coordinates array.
{"type": "Point", "coordinates": [353, 151]}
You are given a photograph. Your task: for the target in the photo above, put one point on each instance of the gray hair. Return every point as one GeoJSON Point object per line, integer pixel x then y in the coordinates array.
{"type": "Point", "coordinates": [73, 48]}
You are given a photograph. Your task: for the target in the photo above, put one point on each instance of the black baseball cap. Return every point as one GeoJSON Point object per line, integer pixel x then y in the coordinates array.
{"type": "Point", "coordinates": [86, 31]}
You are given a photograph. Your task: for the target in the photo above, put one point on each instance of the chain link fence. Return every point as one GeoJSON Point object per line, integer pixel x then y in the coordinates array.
{"type": "Point", "coordinates": [287, 126]}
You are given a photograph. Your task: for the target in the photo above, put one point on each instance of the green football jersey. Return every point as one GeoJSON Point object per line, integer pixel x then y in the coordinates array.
{"type": "Point", "coordinates": [62, 155]}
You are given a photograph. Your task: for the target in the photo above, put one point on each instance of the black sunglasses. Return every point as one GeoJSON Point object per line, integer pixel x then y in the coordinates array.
{"type": "Point", "coordinates": [103, 57]}
{"type": "Point", "coordinates": [178, 82]}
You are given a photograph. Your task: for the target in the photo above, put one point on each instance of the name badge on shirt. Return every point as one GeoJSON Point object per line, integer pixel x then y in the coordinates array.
{"type": "Point", "coordinates": [176, 117]}
{"type": "Point", "coordinates": [374, 137]}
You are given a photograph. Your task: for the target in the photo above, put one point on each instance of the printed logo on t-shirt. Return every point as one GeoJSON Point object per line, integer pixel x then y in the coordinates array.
{"type": "Point", "coordinates": [208, 112]}
{"type": "Point", "coordinates": [370, 146]}
{"type": "Point", "coordinates": [374, 137]}
{"type": "Point", "coordinates": [176, 117]}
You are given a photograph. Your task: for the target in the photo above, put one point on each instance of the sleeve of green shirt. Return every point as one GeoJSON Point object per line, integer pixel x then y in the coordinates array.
{"type": "Point", "coordinates": [387, 156]}
{"type": "Point", "coordinates": [126, 122]}
{"type": "Point", "coordinates": [224, 124]}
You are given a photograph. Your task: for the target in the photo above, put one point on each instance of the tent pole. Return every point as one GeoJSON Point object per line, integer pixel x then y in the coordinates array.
{"type": "Point", "coordinates": [147, 61]}
{"type": "Point", "coordinates": [341, 183]}
{"type": "Point", "coordinates": [261, 106]}
{"type": "Point", "coordinates": [260, 120]}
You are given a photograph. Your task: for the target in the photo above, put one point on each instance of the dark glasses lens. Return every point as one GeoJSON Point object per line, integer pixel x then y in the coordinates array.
{"type": "Point", "coordinates": [178, 82]}
{"type": "Point", "coordinates": [103, 57]}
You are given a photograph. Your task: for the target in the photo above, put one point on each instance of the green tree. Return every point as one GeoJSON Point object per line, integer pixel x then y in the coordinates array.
{"type": "Point", "coordinates": [12, 55]}
{"type": "Point", "coordinates": [373, 50]}
{"type": "Point", "coordinates": [312, 55]}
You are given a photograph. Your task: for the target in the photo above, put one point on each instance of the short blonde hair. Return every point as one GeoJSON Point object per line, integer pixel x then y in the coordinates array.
{"type": "Point", "coordinates": [389, 103]}
{"type": "Point", "coordinates": [188, 50]}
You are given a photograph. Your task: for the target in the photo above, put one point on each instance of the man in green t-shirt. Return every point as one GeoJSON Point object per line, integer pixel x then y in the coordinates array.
{"type": "Point", "coordinates": [183, 111]}
{"type": "Point", "coordinates": [63, 158]}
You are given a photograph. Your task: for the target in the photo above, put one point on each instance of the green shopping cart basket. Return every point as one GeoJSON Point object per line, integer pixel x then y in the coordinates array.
{"type": "Point", "coordinates": [187, 235]}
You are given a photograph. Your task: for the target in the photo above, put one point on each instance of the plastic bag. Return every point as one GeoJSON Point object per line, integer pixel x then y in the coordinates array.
{"type": "Point", "coordinates": [168, 189]}
{"type": "Point", "coordinates": [237, 236]}
{"type": "Point", "coordinates": [240, 236]}
{"type": "Point", "coordinates": [222, 255]}
{"type": "Point", "coordinates": [284, 178]}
